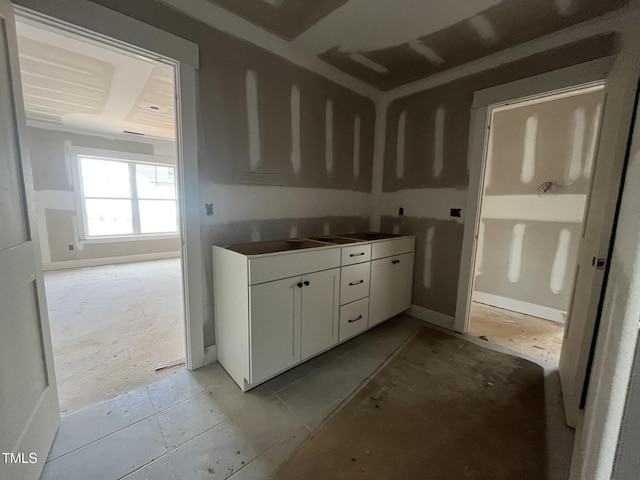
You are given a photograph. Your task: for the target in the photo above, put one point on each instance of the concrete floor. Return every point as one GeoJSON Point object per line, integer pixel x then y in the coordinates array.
{"type": "Point", "coordinates": [533, 337]}
{"type": "Point", "coordinates": [199, 425]}
{"type": "Point", "coordinates": [111, 326]}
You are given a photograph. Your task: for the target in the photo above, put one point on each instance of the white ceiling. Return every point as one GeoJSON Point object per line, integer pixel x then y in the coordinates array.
{"type": "Point", "coordinates": [362, 25]}
{"type": "Point", "coordinates": [71, 83]}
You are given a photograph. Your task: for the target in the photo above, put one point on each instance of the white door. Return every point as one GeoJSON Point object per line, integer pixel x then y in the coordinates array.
{"type": "Point", "coordinates": [275, 327]}
{"type": "Point", "coordinates": [29, 412]}
{"type": "Point", "coordinates": [320, 293]}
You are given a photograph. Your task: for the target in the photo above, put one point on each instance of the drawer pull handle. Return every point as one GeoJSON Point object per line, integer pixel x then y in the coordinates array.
{"type": "Point", "coordinates": [299, 284]}
{"type": "Point", "coordinates": [355, 319]}
{"type": "Point", "coordinates": [356, 254]}
{"type": "Point", "coordinates": [395, 261]}
{"type": "Point", "coordinates": [356, 283]}
{"type": "Point", "coordinates": [306, 282]}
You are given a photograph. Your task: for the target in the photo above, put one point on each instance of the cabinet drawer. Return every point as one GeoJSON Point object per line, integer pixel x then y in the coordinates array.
{"type": "Point", "coordinates": [286, 265]}
{"type": "Point", "coordinates": [356, 254]}
{"type": "Point", "coordinates": [392, 247]}
{"type": "Point", "coordinates": [354, 318]}
{"type": "Point", "coordinates": [354, 282]}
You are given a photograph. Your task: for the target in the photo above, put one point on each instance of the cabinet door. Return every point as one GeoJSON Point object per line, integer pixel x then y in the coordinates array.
{"type": "Point", "coordinates": [391, 283]}
{"type": "Point", "coordinates": [275, 327]}
{"type": "Point", "coordinates": [320, 295]}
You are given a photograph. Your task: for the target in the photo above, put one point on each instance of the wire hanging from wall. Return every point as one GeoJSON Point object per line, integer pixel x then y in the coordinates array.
{"type": "Point", "coordinates": [546, 187]}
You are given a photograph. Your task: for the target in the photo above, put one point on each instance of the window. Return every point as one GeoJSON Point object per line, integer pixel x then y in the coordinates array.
{"type": "Point", "coordinates": [126, 198]}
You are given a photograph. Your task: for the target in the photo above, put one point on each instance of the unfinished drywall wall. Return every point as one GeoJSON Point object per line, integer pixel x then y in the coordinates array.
{"type": "Point", "coordinates": [402, 57]}
{"type": "Point", "coordinates": [436, 262]}
{"type": "Point", "coordinates": [55, 200]}
{"type": "Point", "coordinates": [528, 238]}
{"type": "Point", "coordinates": [277, 144]}
{"type": "Point", "coordinates": [426, 152]}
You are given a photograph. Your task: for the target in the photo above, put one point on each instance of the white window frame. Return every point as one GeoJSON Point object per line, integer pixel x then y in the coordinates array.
{"type": "Point", "coordinates": [131, 159]}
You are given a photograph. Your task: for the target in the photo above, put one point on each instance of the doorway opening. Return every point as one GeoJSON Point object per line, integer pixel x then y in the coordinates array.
{"type": "Point", "coordinates": [102, 136]}
{"type": "Point", "coordinates": [535, 187]}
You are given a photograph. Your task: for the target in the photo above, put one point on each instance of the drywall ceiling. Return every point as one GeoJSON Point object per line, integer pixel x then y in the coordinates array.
{"type": "Point", "coordinates": [389, 43]}
{"type": "Point", "coordinates": [71, 83]}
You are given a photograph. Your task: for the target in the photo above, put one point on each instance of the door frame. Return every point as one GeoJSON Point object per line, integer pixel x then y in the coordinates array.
{"type": "Point", "coordinates": [556, 82]}
{"type": "Point", "coordinates": [108, 28]}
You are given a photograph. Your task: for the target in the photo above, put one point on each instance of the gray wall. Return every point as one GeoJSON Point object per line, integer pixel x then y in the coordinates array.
{"type": "Point", "coordinates": [55, 198]}
{"type": "Point", "coordinates": [224, 157]}
{"type": "Point", "coordinates": [418, 170]}
{"type": "Point", "coordinates": [558, 133]}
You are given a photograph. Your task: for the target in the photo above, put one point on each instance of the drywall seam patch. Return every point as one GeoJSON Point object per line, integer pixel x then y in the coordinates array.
{"type": "Point", "coordinates": [255, 233]}
{"type": "Point", "coordinates": [368, 63]}
{"type": "Point", "coordinates": [328, 137]}
{"type": "Point", "coordinates": [483, 28]}
{"type": "Point", "coordinates": [402, 123]}
{"type": "Point", "coordinates": [427, 52]}
{"type": "Point", "coordinates": [574, 169]}
{"type": "Point", "coordinates": [529, 149]}
{"type": "Point", "coordinates": [564, 7]}
{"type": "Point", "coordinates": [560, 261]}
{"type": "Point", "coordinates": [253, 123]}
{"type": "Point", "coordinates": [438, 144]}
{"type": "Point", "coordinates": [296, 159]}
{"type": "Point", "coordinates": [428, 256]}
{"type": "Point", "coordinates": [356, 146]}
{"type": "Point", "coordinates": [568, 208]}
{"type": "Point", "coordinates": [515, 252]}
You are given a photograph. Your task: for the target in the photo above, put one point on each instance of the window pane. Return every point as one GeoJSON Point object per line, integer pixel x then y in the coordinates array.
{"type": "Point", "coordinates": [155, 181]}
{"type": "Point", "coordinates": [108, 217]}
{"type": "Point", "coordinates": [158, 216]}
{"type": "Point", "coordinates": [105, 178]}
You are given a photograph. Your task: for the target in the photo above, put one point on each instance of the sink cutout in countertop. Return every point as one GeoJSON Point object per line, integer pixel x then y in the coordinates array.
{"type": "Point", "coordinates": [258, 248]}
{"type": "Point", "coordinates": [334, 240]}
{"type": "Point", "coordinates": [368, 236]}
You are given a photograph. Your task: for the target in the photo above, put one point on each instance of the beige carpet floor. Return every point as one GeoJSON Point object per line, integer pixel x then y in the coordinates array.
{"type": "Point", "coordinates": [442, 408]}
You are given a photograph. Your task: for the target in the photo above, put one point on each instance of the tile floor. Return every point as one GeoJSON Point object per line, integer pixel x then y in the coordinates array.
{"type": "Point", "coordinates": [111, 326]}
{"type": "Point", "coordinates": [199, 425]}
{"type": "Point", "coordinates": [534, 337]}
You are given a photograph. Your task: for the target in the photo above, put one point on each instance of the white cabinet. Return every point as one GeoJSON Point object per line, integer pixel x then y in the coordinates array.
{"type": "Point", "coordinates": [274, 326]}
{"type": "Point", "coordinates": [275, 309]}
{"type": "Point", "coordinates": [291, 320]}
{"type": "Point", "coordinates": [391, 283]}
{"type": "Point", "coordinates": [319, 311]}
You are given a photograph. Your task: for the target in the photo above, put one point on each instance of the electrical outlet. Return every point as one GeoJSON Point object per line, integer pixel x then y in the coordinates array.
{"type": "Point", "coordinates": [401, 211]}
{"type": "Point", "coordinates": [71, 247]}
{"type": "Point", "coordinates": [455, 212]}
{"type": "Point", "coordinates": [208, 207]}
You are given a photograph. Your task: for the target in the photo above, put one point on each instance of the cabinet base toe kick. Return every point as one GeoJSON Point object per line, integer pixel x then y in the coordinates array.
{"type": "Point", "coordinates": [264, 329]}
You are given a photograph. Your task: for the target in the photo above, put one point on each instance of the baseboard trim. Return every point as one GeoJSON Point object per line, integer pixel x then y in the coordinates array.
{"type": "Point", "coordinates": [519, 306]}
{"type": "Point", "coordinates": [431, 316]}
{"type": "Point", "coordinates": [210, 355]}
{"type": "Point", "coordinates": [94, 262]}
